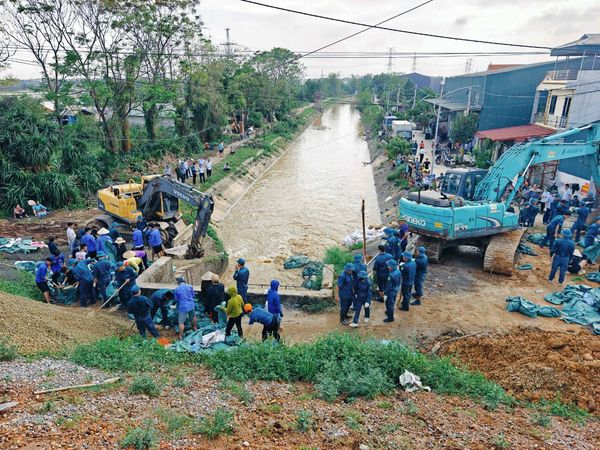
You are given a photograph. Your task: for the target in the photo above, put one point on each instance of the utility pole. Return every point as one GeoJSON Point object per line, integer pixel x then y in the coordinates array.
{"type": "Point", "coordinates": [468, 65]}
{"type": "Point", "coordinates": [228, 42]}
{"type": "Point", "coordinates": [415, 97]}
{"type": "Point", "coordinates": [468, 110]}
{"type": "Point", "coordinates": [437, 124]}
{"type": "Point", "coordinates": [390, 64]}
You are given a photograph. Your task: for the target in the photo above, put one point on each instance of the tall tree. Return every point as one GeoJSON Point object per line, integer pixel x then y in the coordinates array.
{"type": "Point", "coordinates": [34, 25]}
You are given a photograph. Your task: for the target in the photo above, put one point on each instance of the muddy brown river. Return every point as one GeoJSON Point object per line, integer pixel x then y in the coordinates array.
{"type": "Point", "coordinates": [307, 201]}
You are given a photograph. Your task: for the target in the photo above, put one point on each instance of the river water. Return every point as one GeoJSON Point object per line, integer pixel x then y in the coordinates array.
{"type": "Point", "coordinates": [308, 200]}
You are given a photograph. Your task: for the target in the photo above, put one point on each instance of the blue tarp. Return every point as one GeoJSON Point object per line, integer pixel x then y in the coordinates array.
{"type": "Point", "coordinates": [581, 305]}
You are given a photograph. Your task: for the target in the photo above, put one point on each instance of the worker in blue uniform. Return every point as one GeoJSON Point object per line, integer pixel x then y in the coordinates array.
{"type": "Point", "coordinates": [155, 241]}
{"type": "Point", "coordinates": [590, 235]}
{"type": "Point", "coordinates": [579, 224]}
{"type": "Point", "coordinates": [41, 277]}
{"type": "Point", "coordinates": [392, 288]}
{"type": "Point", "coordinates": [561, 252]}
{"type": "Point", "coordinates": [138, 239]}
{"type": "Point", "coordinates": [403, 236]}
{"type": "Point", "coordinates": [125, 277]}
{"type": "Point", "coordinates": [85, 278]}
{"type": "Point", "coordinates": [90, 241]}
{"type": "Point", "coordinates": [359, 264]}
{"type": "Point", "coordinates": [102, 275]}
{"type": "Point", "coordinates": [551, 229]}
{"type": "Point", "coordinates": [159, 300]}
{"type": "Point", "coordinates": [103, 240]}
{"type": "Point", "coordinates": [241, 277]}
{"type": "Point", "coordinates": [392, 243]}
{"type": "Point", "coordinates": [421, 261]}
{"type": "Point", "coordinates": [362, 297]}
{"type": "Point", "coordinates": [140, 306]}
{"type": "Point", "coordinates": [345, 284]}
{"type": "Point", "coordinates": [563, 209]}
{"type": "Point", "coordinates": [409, 271]}
{"type": "Point", "coordinates": [381, 270]}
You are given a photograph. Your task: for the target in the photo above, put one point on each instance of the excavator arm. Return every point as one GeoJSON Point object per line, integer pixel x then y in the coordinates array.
{"type": "Point", "coordinates": [517, 160]}
{"type": "Point", "coordinates": [167, 187]}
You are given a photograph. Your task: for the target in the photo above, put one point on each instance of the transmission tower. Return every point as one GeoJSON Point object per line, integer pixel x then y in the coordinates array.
{"type": "Point", "coordinates": [228, 43]}
{"type": "Point", "coordinates": [413, 68]}
{"type": "Point", "coordinates": [468, 65]}
{"type": "Point", "coordinates": [390, 64]}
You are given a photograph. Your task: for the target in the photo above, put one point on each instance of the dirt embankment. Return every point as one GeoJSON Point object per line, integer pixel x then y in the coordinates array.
{"type": "Point", "coordinates": [535, 364]}
{"type": "Point", "coordinates": [35, 326]}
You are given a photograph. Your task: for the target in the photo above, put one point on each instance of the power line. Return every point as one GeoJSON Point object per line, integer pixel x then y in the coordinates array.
{"type": "Point", "coordinates": [417, 33]}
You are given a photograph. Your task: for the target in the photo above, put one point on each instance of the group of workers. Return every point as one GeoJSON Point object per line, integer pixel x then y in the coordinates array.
{"type": "Point", "coordinates": [394, 274]}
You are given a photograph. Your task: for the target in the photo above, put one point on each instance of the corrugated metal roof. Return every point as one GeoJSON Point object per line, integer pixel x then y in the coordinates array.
{"type": "Point", "coordinates": [451, 105]}
{"type": "Point", "coordinates": [588, 43]}
{"type": "Point", "coordinates": [509, 69]}
{"type": "Point", "coordinates": [519, 134]}
{"type": "Point", "coordinates": [491, 66]}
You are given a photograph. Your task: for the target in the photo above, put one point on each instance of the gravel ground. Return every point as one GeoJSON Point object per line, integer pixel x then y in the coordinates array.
{"type": "Point", "coordinates": [44, 372]}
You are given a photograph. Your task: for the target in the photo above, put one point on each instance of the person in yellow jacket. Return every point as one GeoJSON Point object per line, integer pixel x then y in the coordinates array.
{"type": "Point", "coordinates": [134, 261]}
{"type": "Point", "coordinates": [234, 311]}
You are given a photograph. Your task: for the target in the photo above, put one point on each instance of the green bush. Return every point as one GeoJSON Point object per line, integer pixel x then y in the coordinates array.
{"type": "Point", "coordinates": [8, 351]}
{"type": "Point", "coordinates": [304, 421]}
{"type": "Point", "coordinates": [397, 146]}
{"type": "Point", "coordinates": [341, 364]}
{"type": "Point", "coordinates": [132, 354]}
{"type": "Point", "coordinates": [337, 257]}
{"type": "Point", "coordinates": [215, 424]}
{"type": "Point", "coordinates": [145, 385]}
{"type": "Point", "coordinates": [141, 438]}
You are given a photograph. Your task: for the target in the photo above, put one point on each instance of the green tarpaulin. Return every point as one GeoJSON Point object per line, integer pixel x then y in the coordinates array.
{"type": "Point", "coordinates": [536, 238]}
{"type": "Point", "coordinates": [581, 305]}
{"type": "Point", "coordinates": [526, 249]}
{"type": "Point", "coordinates": [519, 304]}
{"type": "Point", "coordinates": [593, 276]}
{"type": "Point", "coordinates": [294, 262]}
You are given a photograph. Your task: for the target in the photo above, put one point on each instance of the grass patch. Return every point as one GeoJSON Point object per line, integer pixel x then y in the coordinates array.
{"type": "Point", "coordinates": [541, 419]}
{"type": "Point", "coordinates": [237, 390]}
{"type": "Point", "coordinates": [8, 351]}
{"type": "Point", "coordinates": [317, 305]}
{"type": "Point", "coordinates": [501, 441]}
{"type": "Point", "coordinates": [337, 257]}
{"type": "Point", "coordinates": [215, 424]}
{"type": "Point", "coordinates": [132, 354]}
{"type": "Point", "coordinates": [355, 246]}
{"type": "Point", "coordinates": [141, 438]}
{"type": "Point", "coordinates": [144, 385]}
{"type": "Point", "coordinates": [23, 286]}
{"type": "Point", "coordinates": [175, 424]}
{"type": "Point", "coordinates": [347, 365]}
{"type": "Point", "coordinates": [219, 246]}
{"type": "Point", "coordinates": [304, 421]}
{"type": "Point", "coordinates": [566, 411]}
{"type": "Point", "coordinates": [354, 419]}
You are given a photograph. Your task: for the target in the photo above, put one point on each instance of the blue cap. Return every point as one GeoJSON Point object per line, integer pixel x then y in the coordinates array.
{"type": "Point", "coordinates": [362, 274]}
{"type": "Point", "coordinates": [407, 255]}
{"type": "Point", "coordinates": [135, 289]}
{"type": "Point", "coordinates": [389, 231]}
{"type": "Point", "coordinates": [100, 254]}
{"type": "Point", "coordinates": [358, 258]}
{"type": "Point", "coordinates": [241, 261]}
{"type": "Point", "coordinates": [348, 267]}
{"type": "Point", "coordinates": [566, 232]}
{"type": "Point", "coordinates": [119, 264]}
{"type": "Point", "coordinates": [71, 262]}
{"type": "Point", "coordinates": [421, 250]}
{"type": "Point", "coordinates": [392, 263]}
{"type": "Point", "coordinates": [180, 279]}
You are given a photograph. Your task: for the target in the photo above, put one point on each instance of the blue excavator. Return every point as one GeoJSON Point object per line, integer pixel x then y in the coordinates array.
{"type": "Point", "coordinates": [473, 206]}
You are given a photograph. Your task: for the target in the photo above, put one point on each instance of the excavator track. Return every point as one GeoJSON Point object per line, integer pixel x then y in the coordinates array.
{"type": "Point", "coordinates": [433, 246]}
{"type": "Point", "coordinates": [501, 252]}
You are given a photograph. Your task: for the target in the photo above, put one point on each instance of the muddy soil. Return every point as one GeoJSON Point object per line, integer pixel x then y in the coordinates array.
{"type": "Point", "coordinates": [268, 420]}
{"type": "Point", "coordinates": [537, 364]}
{"type": "Point", "coordinates": [34, 326]}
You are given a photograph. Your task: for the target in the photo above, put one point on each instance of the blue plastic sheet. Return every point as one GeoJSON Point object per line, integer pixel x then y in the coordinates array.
{"type": "Point", "coordinates": [581, 305]}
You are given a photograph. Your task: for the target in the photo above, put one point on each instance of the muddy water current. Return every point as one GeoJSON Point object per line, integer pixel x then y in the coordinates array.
{"type": "Point", "coordinates": [307, 201]}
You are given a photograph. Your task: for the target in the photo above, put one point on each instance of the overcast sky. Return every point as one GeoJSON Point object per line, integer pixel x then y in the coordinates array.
{"type": "Point", "coordinates": [533, 22]}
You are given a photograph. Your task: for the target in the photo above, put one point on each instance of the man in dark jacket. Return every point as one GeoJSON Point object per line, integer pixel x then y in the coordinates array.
{"type": "Point", "coordinates": [409, 271]}
{"type": "Point", "coordinates": [241, 277]}
{"type": "Point", "coordinates": [159, 300]}
{"type": "Point", "coordinates": [84, 277]}
{"type": "Point", "coordinates": [125, 278]}
{"type": "Point", "coordinates": [274, 301]}
{"type": "Point", "coordinates": [562, 252]}
{"type": "Point", "coordinates": [269, 321]}
{"type": "Point", "coordinates": [582, 216]}
{"type": "Point", "coordinates": [215, 295]}
{"type": "Point", "coordinates": [102, 275]}
{"type": "Point", "coordinates": [362, 297]}
{"type": "Point", "coordinates": [392, 288]}
{"type": "Point", "coordinates": [140, 307]}
{"type": "Point", "coordinates": [421, 262]}
{"type": "Point", "coordinates": [381, 270]}
{"type": "Point", "coordinates": [345, 284]}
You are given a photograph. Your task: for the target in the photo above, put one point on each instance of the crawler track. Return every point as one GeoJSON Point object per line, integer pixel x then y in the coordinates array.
{"type": "Point", "coordinates": [434, 248]}
{"type": "Point", "coordinates": [501, 252]}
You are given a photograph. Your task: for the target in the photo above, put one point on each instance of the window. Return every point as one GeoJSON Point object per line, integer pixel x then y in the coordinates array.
{"type": "Point", "coordinates": [552, 104]}
{"type": "Point", "coordinates": [468, 186]}
{"type": "Point", "coordinates": [451, 183]}
{"type": "Point", "coordinates": [566, 107]}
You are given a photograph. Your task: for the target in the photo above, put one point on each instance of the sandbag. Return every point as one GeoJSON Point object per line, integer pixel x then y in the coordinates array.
{"type": "Point", "coordinates": [526, 249]}
{"type": "Point", "coordinates": [593, 276]}
{"type": "Point", "coordinates": [294, 262]}
{"type": "Point", "coordinates": [536, 238]}
{"type": "Point", "coordinates": [519, 304]}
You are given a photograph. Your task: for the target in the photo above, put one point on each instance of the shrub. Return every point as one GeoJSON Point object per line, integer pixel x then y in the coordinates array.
{"type": "Point", "coordinates": [397, 146]}
{"type": "Point", "coordinates": [216, 424]}
{"type": "Point", "coordinates": [304, 421]}
{"type": "Point", "coordinates": [8, 351]}
{"type": "Point", "coordinates": [338, 257]}
{"type": "Point", "coordinates": [341, 364]}
{"type": "Point", "coordinates": [132, 354]}
{"type": "Point", "coordinates": [141, 438]}
{"type": "Point", "coordinates": [144, 385]}
{"type": "Point", "coordinates": [237, 390]}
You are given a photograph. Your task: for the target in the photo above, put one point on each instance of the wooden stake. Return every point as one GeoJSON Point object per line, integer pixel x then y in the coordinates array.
{"type": "Point", "coordinates": [364, 229]}
{"type": "Point", "coordinates": [78, 386]}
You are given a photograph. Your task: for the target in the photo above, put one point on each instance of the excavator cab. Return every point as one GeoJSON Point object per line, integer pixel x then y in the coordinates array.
{"type": "Point", "coordinates": [462, 182]}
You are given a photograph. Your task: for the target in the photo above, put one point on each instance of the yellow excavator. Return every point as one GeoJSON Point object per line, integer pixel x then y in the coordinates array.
{"type": "Point", "coordinates": [154, 200]}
